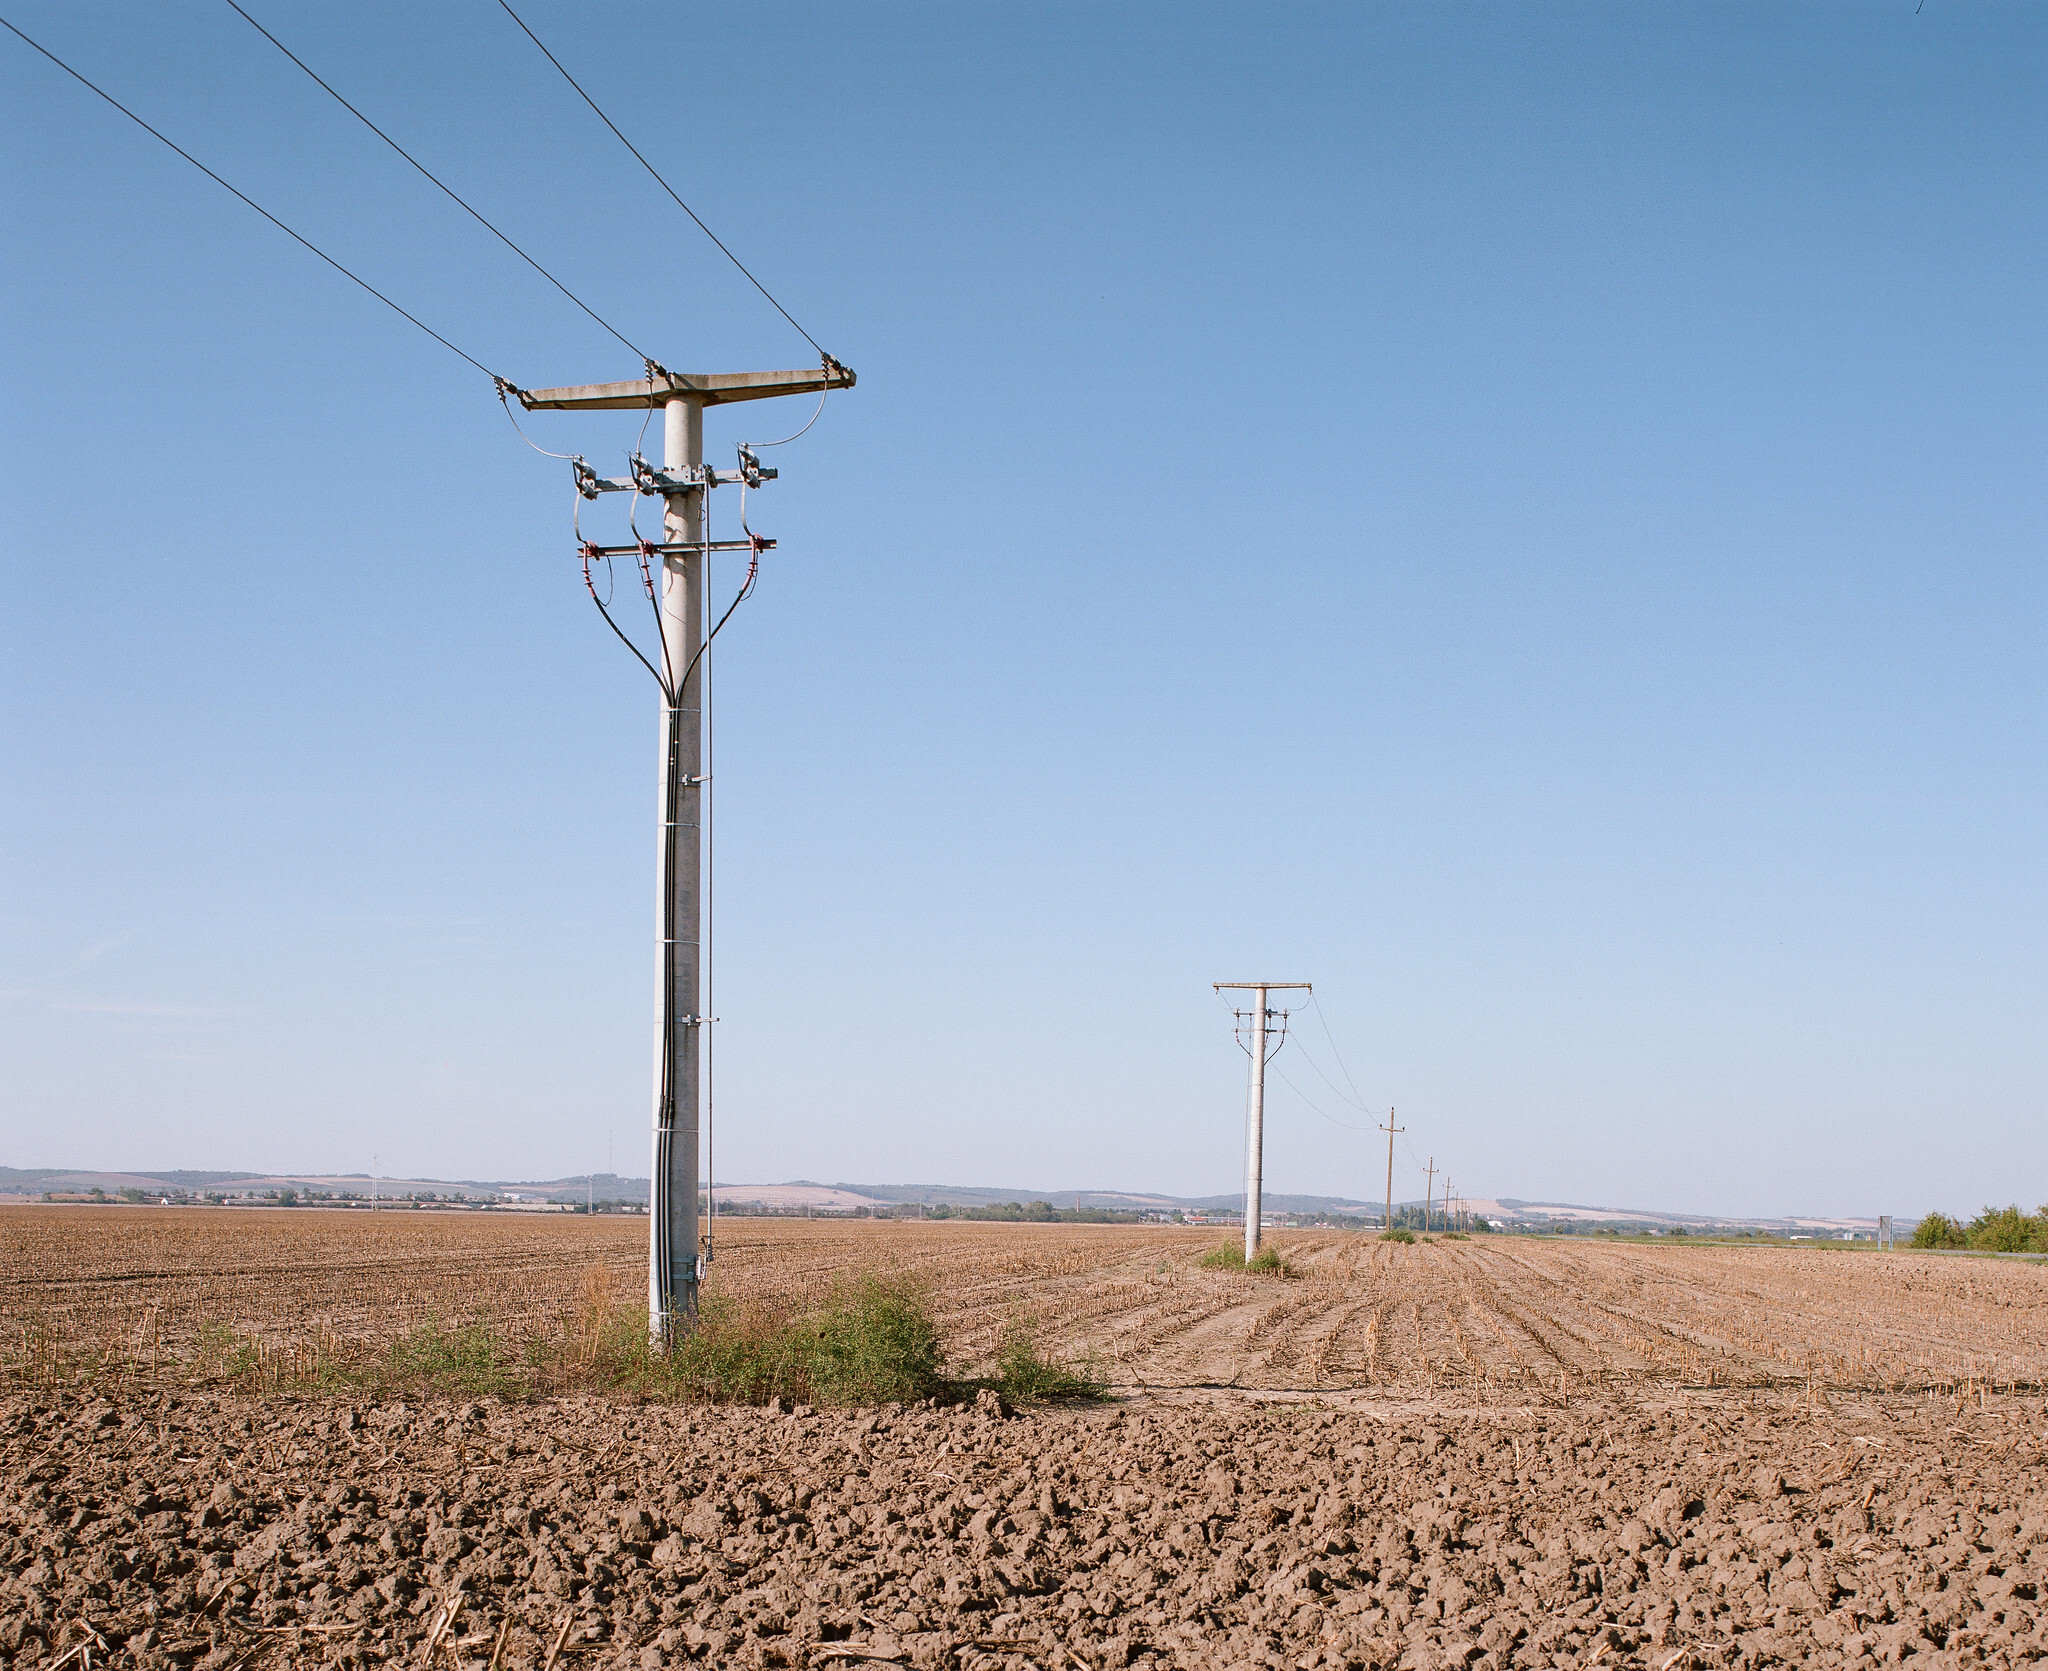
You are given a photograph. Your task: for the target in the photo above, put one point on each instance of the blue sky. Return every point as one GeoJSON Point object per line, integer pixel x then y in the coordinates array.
{"type": "Point", "coordinates": [1529, 518]}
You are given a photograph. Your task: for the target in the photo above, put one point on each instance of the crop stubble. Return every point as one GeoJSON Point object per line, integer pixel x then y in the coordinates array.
{"type": "Point", "coordinates": [1497, 1315]}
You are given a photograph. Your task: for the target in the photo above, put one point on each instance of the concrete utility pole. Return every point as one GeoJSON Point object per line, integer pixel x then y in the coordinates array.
{"type": "Point", "coordinates": [1390, 1128]}
{"type": "Point", "coordinates": [1429, 1195]}
{"type": "Point", "coordinates": [674, 1261]}
{"type": "Point", "coordinates": [1255, 1117]}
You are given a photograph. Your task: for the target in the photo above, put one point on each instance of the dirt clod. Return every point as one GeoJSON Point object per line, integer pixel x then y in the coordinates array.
{"type": "Point", "coordinates": [1203, 1530]}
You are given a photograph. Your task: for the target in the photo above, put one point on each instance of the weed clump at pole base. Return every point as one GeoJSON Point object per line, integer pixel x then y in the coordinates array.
{"type": "Point", "coordinates": [1230, 1257]}
{"type": "Point", "coordinates": [1407, 1236]}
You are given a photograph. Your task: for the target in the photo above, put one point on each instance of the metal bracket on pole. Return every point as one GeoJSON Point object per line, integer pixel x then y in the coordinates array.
{"type": "Point", "coordinates": [678, 548]}
{"type": "Point", "coordinates": [658, 482]}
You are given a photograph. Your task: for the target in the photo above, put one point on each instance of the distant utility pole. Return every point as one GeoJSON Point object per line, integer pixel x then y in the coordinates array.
{"type": "Point", "coordinates": [1390, 1128]}
{"type": "Point", "coordinates": [1255, 1118]}
{"type": "Point", "coordinates": [674, 1264]}
{"type": "Point", "coordinates": [1429, 1194]}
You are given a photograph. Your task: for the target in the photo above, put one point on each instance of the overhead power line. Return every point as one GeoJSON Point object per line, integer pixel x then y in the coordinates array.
{"type": "Point", "coordinates": [252, 203]}
{"type": "Point", "coordinates": [430, 176]}
{"type": "Point", "coordinates": [658, 180]}
{"type": "Point", "coordinates": [1314, 1106]}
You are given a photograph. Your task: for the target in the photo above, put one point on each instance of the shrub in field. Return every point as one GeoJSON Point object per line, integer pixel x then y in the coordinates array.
{"type": "Point", "coordinates": [467, 1360]}
{"type": "Point", "coordinates": [1027, 1374]}
{"type": "Point", "coordinates": [870, 1341]}
{"type": "Point", "coordinates": [2008, 1230]}
{"type": "Point", "coordinates": [873, 1341]}
{"type": "Point", "coordinates": [1939, 1230]}
{"type": "Point", "coordinates": [1398, 1235]}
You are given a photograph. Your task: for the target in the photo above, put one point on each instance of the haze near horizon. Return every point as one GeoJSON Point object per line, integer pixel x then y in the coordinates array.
{"type": "Point", "coordinates": [1528, 519]}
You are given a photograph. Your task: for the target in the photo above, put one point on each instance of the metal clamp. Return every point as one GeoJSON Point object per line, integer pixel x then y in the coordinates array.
{"type": "Point", "coordinates": [660, 482]}
{"type": "Point", "coordinates": [676, 548]}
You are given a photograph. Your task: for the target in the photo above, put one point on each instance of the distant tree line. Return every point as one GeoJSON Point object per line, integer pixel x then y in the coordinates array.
{"type": "Point", "coordinates": [1034, 1212]}
{"type": "Point", "coordinates": [1994, 1230]}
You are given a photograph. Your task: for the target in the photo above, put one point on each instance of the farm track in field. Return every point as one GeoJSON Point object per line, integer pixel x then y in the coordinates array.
{"type": "Point", "coordinates": [1489, 1313]}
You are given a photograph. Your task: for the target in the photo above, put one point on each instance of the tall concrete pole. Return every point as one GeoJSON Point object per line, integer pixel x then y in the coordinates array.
{"type": "Point", "coordinates": [1255, 1131]}
{"type": "Point", "coordinates": [1255, 1117]}
{"type": "Point", "coordinates": [675, 1255]}
{"type": "Point", "coordinates": [672, 1268]}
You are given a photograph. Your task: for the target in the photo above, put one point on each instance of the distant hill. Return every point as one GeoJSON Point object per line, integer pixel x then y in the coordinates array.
{"type": "Point", "coordinates": [802, 1193]}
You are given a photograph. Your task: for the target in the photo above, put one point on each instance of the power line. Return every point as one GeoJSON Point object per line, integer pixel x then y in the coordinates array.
{"type": "Point", "coordinates": [1298, 1091]}
{"type": "Point", "coordinates": [1334, 1051]}
{"type": "Point", "coordinates": [1341, 1094]}
{"type": "Point", "coordinates": [427, 174]}
{"type": "Point", "coordinates": [665, 186]}
{"type": "Point", "coordinates": [252, 203]}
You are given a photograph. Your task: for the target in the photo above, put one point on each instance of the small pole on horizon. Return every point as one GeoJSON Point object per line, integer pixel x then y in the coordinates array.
{"type": "Point", "coordinates": [1390, 1128]}
{"type": "Point", "coordinates": [1429, 1195]}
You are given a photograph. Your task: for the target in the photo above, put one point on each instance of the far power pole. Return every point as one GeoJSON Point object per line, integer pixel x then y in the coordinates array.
{"type": "Point", "coordinates": [1390, 1128]}
{"type": "Point", "coordinates": [1429, 1195]}
{"type": "Point", "coordinates": [674, 1262]}
{"type": "Point", "coordinates": [1255, 1116]}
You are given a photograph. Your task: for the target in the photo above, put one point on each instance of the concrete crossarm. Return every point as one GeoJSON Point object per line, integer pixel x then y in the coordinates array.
{"type": "Point", "coordinates": [714, 388]}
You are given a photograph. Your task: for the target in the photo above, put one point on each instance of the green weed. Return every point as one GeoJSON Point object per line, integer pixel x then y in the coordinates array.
{"type": "Point", "coordinates": [1027, 1374]}
{"type": "Point", "coordinates": [1230, 1257]}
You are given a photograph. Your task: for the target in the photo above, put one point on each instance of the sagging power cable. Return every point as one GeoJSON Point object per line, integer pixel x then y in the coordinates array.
{"type": "Point", "coordinates": [296, 238]}
{"type": "Point", "coordinates": [830, 362]}
{"type": "Point", "coordinates": [432, 178]}
{"type": "Point", "coordinates": [1312, 1103]}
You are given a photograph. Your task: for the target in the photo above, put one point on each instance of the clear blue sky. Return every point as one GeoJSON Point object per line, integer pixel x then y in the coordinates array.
{"type": "Point", "coordinates": [1529, 517]}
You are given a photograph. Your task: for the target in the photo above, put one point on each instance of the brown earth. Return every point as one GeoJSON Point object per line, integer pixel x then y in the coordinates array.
{"type": "Point", "coordinates": [1494, 1453]}
{"type": "Point", "coordinates": [1674, 1529]}
{"type": "Point", "coordinates": [1502, 1316]}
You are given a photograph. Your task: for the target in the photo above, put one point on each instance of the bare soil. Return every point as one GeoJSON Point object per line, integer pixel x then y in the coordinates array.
{"type": "Point", "coordinates": [1672, 1529]}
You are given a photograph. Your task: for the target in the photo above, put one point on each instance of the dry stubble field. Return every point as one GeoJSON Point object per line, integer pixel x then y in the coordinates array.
{"type": "Point", "coordinates": [1496, 1314]}
{"type": "Point", "coordinates": [1485, 1454]}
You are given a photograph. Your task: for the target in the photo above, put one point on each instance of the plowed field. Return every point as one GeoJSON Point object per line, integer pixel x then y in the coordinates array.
{"type": "Point", "coordinates": [1501, 1316]}
{"type": "Point", "coordinates": [1488, 1455]}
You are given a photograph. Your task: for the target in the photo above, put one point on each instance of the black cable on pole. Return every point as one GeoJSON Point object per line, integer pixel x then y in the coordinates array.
{"type": "Point", "coordinates": [665, 186]}
{"type": "Point", "coordinates": [252, 203]}
{"type": "Point", "coordinates": [431, 177]}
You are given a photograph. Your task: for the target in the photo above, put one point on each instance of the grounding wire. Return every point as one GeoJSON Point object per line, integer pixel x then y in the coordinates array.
{"type": "Point", "coordinates": [428, 175]}
{"type": "Point", "coordinates": [665, 186]}
{"type": "Point", "coordinates": [252, 203]}
{"type": "Point", "coordinates": [707, 813]}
